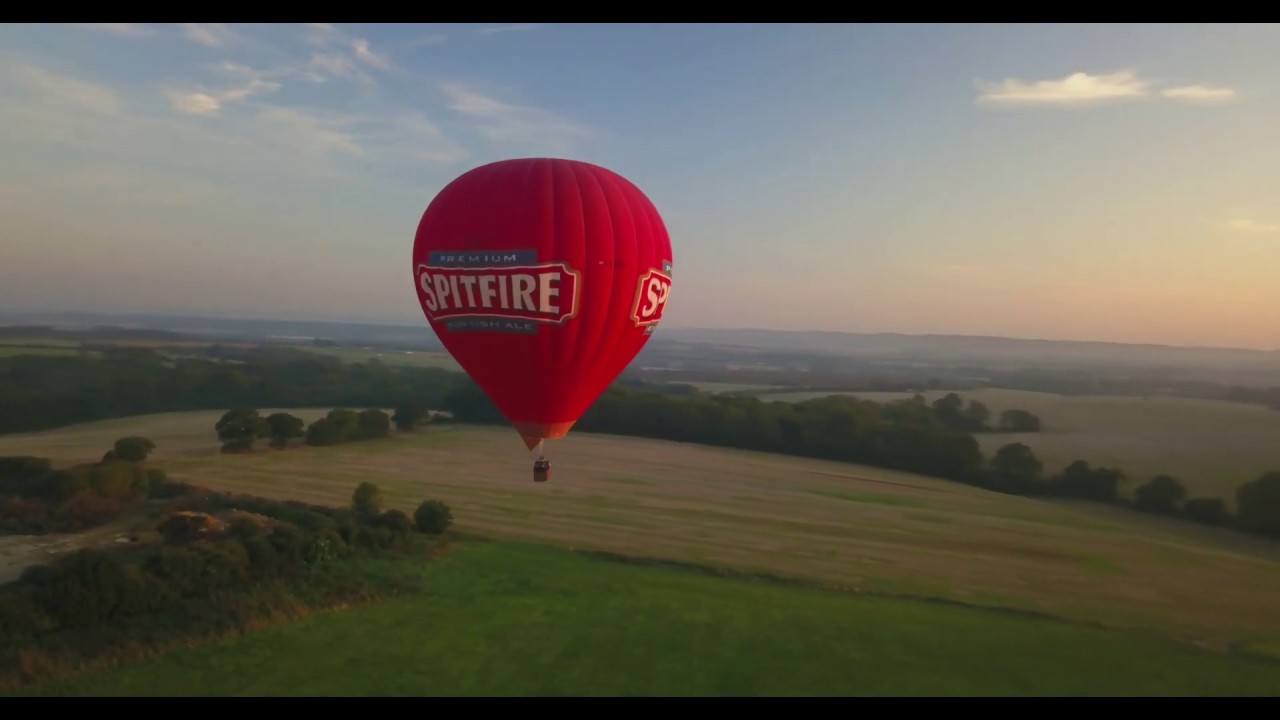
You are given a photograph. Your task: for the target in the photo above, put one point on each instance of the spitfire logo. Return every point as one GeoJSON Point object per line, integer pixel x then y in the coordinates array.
{"type": "Point", "coordinates": [651, 297]}
{"type": "Point", "coordinates": [504, 291]}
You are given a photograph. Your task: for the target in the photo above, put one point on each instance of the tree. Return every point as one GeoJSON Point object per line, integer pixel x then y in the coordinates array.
{"type": "Point", "coordinates": [432, 517]}
{"type": "Point", "coordinates": [1019, 421]}
{"type": "Point", "coordinates": [1016, 469]}
{"type": "Point", "coordinates": [976, 416]}
{"type": "Point", "coordinates": [1210, 511]}
{"type": "Point", "coordinates": [1079, 480]}
{"type": "Point", "coordinates": [409, 416]}
{"type": "Point", "coordinates": [1258, 504]}
{"type": "Point", "coordinates": [239, 428]}
{"type": "Point", "coordinates": [132, 449]}
{"type": "Point", "coordinates": [282, 427]}
{"type": "Point", "coordinates": [367, 499]}
{"type": "Point", "coordinates": [947, 409]}
{"type": "Point", "coordinates": [372, 424]}
{"type": "Point", "coordinates": [1162, 495]}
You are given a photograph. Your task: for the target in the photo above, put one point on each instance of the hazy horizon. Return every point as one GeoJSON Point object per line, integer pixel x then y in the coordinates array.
{"type": "Point", "coordinates": [1110, 183]}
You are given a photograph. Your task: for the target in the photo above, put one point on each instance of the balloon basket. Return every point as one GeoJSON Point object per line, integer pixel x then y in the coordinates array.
{"type": "Point", "coordinates": [541, 471]}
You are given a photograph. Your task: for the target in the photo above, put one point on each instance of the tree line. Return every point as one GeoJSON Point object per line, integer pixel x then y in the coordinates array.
{"type": "Point", "coordinates": [908, 435]}
{"type": "Point", "coordinates": [240, 428]}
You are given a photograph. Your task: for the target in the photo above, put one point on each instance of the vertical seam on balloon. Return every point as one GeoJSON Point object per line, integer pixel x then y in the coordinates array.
{"type": "Point", "coordinates": [620, 329]}
{"type": "Point", "coordinates": [540, 386]}
{"type": "Point", "coordinates": [568, 365]}
{"type": "Point", "coordinates": [599, 318]}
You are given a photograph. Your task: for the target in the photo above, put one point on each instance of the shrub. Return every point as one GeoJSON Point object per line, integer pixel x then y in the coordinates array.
{"type": "Point", "coordinates": [21, 617]}
{"type": "Point", "coordinates": [325, 547]}
{"type": "Point", "coordinates": [184, 527]}
{"type": "Point", "coordinates": [1258, 504]}
{"type": "Point", "coordinates": [133, 448]}
{"type": "Point", "coordinates": [87, 587]}
{"type": "Point", "coordinates": [432, 517]}
{"type": "Point", "coordinates": [1162, 495]}
{"type": "Point", "coordinates": [367, 499]}
{"type": "Point", "coordinates": [88, 509]}
{"type": "Point", "coordinates": [264, 560]}
{"type": "Point", "coordinates": [1210, 511]}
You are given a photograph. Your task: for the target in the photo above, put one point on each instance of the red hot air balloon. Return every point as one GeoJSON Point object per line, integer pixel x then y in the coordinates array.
{"type": "Point", "coordinates": [543, 278]}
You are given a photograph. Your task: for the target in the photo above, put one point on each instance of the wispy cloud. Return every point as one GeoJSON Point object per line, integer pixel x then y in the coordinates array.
{"type": "Point", "coordinates": [209, 34]}
{"type": "Point", "coordinates": [209, 103]}
{"type": "Point", "coordinates": [360, 47]}
{"type": "Point", "coordinates": [1200, 94]}
{"type": "Point", "coordinates": [1253, 226]}
{"type": "Point", "coordinates": [341, 56]}
{"type": "Point", "coordinates": [530, 128]}
{"type": "Point", "coordinates": [121, 29]}
{"type": "Point", "coordinates": [519, 27]}
{"type": "Point", "coordinates": [1075, 89]}
{"type": "Point", "coordinates": [1082, 89]}
{"type": "Point", "coordinates": [268, 140]}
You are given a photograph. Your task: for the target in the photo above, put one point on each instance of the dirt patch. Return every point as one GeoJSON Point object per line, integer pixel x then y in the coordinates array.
{"type": "Point", "coordinates": [18, 552]}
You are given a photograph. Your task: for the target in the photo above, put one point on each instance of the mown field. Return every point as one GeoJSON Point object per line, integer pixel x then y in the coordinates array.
{"type": "Point", "coordinates": [506, 619]}
{"type": "Point", "coordinates": [1211, 446]}
{"type": "Point", "coordinates": [872, 530]}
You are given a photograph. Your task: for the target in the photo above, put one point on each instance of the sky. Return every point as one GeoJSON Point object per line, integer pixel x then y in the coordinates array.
{"type": "Point", "coordinates": [1088, 182]}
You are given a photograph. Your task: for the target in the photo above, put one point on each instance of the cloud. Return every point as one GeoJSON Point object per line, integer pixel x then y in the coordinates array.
{"type": "Point", "coordinates": [361, 48]}
{"type": "Point", "coordinates": [206, 102]}
{"type": "Point", "coordinates": [203, 103]}
{"type": "Point", "coordinates": [1253, 226]}
{"type": "Point", "coordinates": [531, 129]}
{"type": "Point", "coordinates": [1075, 89]}
{"type": "Point", "coordinates": [495, 29]}
{"type": "Point", "coordinates": [51, 114]}
{"type": "Point", "coordinates": [1200, 94]}
{"type": "Point", "coordinates": [121, 29]}
{"type": "Point", "coordinates": [338, 65]}
{"type": "Point", "coordinates": [209, 34]}
{"type": "Point", "coordinates": [340, 56]}
{"type": "Point", "coordinates": [1083, 88]}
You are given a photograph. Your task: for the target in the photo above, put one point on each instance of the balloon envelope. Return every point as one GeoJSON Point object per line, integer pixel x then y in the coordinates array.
{"type": "Point", "coordinates": [543, 278]}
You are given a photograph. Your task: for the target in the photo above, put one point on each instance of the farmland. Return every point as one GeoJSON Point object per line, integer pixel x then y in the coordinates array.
{"type": "Point", "coordinates": [874, 530]}
{"type": "Point", "coordinates": [510, 619]}
{"type": "Point", "coordinates": [1211, 446]}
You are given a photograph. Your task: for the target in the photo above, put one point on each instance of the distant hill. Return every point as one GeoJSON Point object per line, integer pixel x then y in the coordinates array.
{"type": "Point", "coordinates": [1252, 366]}
{"type": "Point", "coordinates": [982, 350]}
{"type": "Point", "coordinates": [236, 329]}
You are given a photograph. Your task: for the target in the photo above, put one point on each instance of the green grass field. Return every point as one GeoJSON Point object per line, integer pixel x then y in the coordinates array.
{"type": "Point", "coordinates": [503, 619]}
{"type": "Point", "coordinates": [875, 530]}
{"type": "Point", "coordinates": [1211, 446]}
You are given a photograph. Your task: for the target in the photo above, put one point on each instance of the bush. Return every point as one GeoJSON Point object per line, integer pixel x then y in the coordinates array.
{"type": "Point", "coordinates": [21, 617]}
{"type": "Point", "coordinates": [133, 448]}
{"type": "Point", "coordinates": [1162, 495]}
{"type": "Point", "coordinates": [396, 521]}
{"type": "Point", "coordinates": [88, 509]}
{"type": "Point", "coordinates": [325, 547]}
{"type": "Point", "coordinates": [1210, 511]}
{"type": "Point", "coordinates": [1258, 504]}
{"type": "Point", "coordinates": [88, 587]}
{"type": "Point", "coordinates": [185, 527]}
{"type": "Point", "coordinates": [432, 517]}
{"type": "Point", "coordinates": [367, 500]}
